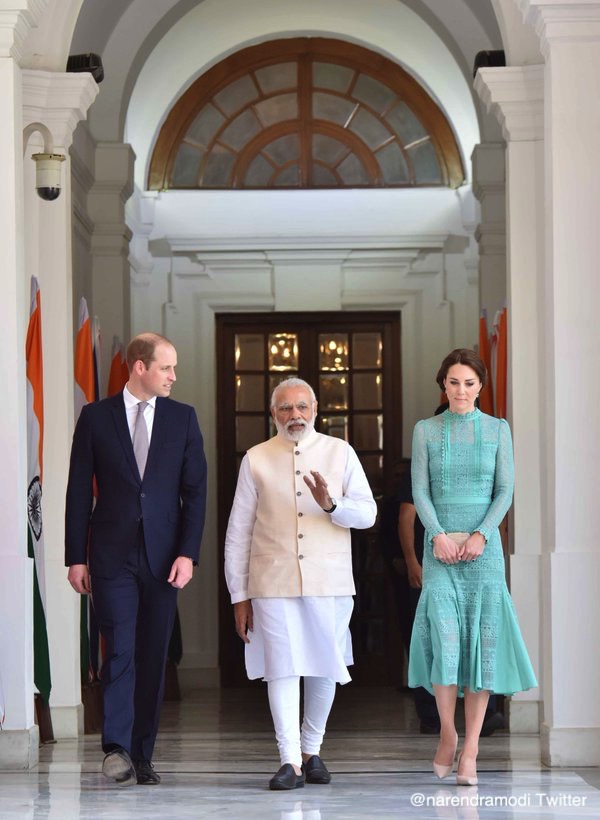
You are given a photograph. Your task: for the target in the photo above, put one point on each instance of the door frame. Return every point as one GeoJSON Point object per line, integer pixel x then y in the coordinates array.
{"type": "Point", "coordinates": [226, 327]}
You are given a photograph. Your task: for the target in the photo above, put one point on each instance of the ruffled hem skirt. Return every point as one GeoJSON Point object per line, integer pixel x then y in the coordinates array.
{"type": "Point", "coordinates": [305, 636]}
{"type": "Point", "coordinates": [475, 644]}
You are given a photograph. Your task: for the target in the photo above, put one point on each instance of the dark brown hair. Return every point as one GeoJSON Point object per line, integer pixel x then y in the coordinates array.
{"type": "Point", "coordinates": [142, 347]}
{"type": "Point", "coordinates": [462, 355]}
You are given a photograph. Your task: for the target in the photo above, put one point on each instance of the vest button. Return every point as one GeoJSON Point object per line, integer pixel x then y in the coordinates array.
{"type": "Point", "coordinates": [298, 493]}
{"type": "Point", "coordinates": [297, 472]}
{"type": "Point", "coordinates": [300, 557]}
{"type": "Point", "coordinates": [142, 495]}
{"type": "Point", "coordinates": [296, 452]}
{"type": "Point", "coordinates": [300, 535]}
{"type": "Point", "coordinates": [300, 515]}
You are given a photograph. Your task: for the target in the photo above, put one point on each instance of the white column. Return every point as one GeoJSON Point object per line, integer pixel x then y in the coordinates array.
{"type": "Point", "coordinates": [515, 96]}
{"type": "Point", "coordinates": [58, 101]}
{"type": "Point", "coordinates": [489, 188]}
{"type": "Point", "coordinates": [570, 37]}
{"type": "Point", "coordinates": [109, 298]}
{"type": "Point", "coordinates": [19, 738]}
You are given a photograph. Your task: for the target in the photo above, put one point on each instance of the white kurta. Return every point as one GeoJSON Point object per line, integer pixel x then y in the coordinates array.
{"type": "Point", "coordinates": [306, 635]}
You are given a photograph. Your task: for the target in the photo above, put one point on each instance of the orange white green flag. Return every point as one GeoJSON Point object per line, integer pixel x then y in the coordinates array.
{"type": "Point", "coordinates": [35, 449]}
{"type": "Point", "coordinates": [500, 386]}
{"type": "Point", "coordinates": [486, 395]}
{"type": "Point", "coordinates": [84, 360]}
{"type": "Point", "coordinates": [117, 378]}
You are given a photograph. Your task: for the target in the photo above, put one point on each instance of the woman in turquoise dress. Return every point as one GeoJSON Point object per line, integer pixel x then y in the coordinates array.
{"type": "Point", "coordinates": [466, 639]}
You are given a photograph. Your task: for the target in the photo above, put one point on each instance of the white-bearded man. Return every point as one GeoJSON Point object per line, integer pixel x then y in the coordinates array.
{"type": "Point", "coordinates": [288, 565]}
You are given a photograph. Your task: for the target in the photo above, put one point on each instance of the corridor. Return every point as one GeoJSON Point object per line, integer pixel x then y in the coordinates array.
{"type": "Point", "coordinates": [216, 753]}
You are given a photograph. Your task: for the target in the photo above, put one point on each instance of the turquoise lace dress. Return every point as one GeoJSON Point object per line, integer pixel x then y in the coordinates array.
{"type": "Point", "coordinates": [465, 630]}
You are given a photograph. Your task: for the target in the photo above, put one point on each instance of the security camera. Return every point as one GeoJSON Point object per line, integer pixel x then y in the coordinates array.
{"type": "Point", "coordinates": [47, 175]}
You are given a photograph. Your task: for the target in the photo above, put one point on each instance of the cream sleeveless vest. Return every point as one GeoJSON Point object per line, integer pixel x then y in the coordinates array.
{"type": "Point", "coordinates": [296, 549]}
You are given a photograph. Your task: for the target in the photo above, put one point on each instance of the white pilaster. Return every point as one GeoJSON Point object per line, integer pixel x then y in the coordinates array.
{"type": "Point", "coordinates": [515, 96]}
{"type": "Point", "coordinates": [18, 741]}
{"type": "Point", "coordinates": [59, 102]}
{"type": "Point", "coordinates": [570, 38]}
{"type": "Point", "coordinates": [109, 298]}
{"type": "Point", "coordinates": [489, 189]}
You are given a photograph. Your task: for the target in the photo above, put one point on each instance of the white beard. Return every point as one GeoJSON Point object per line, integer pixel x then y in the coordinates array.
{"type": "Point", "coordinates": [297, 435]}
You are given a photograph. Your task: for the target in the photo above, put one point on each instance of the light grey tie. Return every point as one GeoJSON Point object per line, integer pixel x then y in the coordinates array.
{"type": "Point", "coordinates": [140, 438]}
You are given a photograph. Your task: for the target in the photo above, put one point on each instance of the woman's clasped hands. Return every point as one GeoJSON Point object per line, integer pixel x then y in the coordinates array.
{"type": "Point", "coordinates": [446, 550]}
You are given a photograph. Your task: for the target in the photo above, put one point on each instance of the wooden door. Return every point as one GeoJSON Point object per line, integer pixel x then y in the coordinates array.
{"type": "Point", "coordinates": [352, 360]}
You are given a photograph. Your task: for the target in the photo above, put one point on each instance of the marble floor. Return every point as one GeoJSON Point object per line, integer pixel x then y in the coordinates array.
{"type": "Point", "coordinates": [216, 752]}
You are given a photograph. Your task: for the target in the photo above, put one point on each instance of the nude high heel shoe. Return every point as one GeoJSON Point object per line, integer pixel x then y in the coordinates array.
{"type": "Point", "coordinates": [442, 771]}
{"type": "Point", "coordinates": [463, 780]}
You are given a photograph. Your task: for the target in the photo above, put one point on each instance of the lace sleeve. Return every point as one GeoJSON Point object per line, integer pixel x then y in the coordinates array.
{"type": "Point", "coordinates": [504, 479]}
{"type": "Point", "coordinates": [421, 488]}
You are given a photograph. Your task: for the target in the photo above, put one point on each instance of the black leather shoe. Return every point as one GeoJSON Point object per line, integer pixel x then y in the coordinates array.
{"type": "Point", "coordinates": [491, 723]}
{"type": "Point", "coordinates": [426, 728]}
{"type": "Point", "coordinates": [286, 778]}
{"type": "Point", "coordinates": [315, 770]}
{"type": "Point", "coordinates": [117, 766]}
{"type": "Point", "coordinates": [146, 776]}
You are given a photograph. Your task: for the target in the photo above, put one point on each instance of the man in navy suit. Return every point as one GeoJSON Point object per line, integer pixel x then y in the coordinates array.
{"type": "Point", "coordinates": [146, 455]}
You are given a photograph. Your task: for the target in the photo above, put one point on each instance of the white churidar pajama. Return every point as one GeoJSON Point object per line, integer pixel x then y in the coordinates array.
{"type": "Point", "coordinates": [284, 700]}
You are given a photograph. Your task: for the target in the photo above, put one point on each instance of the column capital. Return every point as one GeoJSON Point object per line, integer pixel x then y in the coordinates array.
{"type": "Point", "coordinates": [17, 18]}
{"type": "Point", "coordinates": [489, 169]}
{"type": "Point", "coordinates": [114, 163]}
{"type": "Point", "coordinates": [562, 21]}
{"type": "Point", "coordinates": [58, 100]}
{"type": "Point", "coordinates": [515, 96]}
{"type": "Point", "coordinates": [491, 237]}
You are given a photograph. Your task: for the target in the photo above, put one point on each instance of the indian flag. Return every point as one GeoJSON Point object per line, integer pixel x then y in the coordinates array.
{"type": "Point", "coordinates": [501, 366]}
{"type": "Point", "coordinates": [35, 446]}
{"type": "Point", "coordinates": [486, 396]}
{"type": "Point", "coordinates": [118, 377]}
{"type": "Point", "coordinates": [84, 360]}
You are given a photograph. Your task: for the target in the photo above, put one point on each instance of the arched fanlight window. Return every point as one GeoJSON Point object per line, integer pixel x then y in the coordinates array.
{"type": "Point", "coordinates": [305, 113]}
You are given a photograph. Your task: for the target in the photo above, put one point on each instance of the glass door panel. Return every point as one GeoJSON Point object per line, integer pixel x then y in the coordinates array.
{"type": "Point", "coordinates": [335, 426]}
{"type": "Point", "coordinates": [249, 392]}
{"type": "Point", "coordinates": [368, 432]}
{"type": "Point", "coordinates": [333, 351]}
{"type": "Point", "coordinates": [367, 350]}
{"type": "Point", "coordinates": [367, 391]}
{"type": "Point", "coordinates": [249, 351]}
{"type": "Point", "coordinates": [283, 352]}
{"type": "Point", "coordinates": [333, 393]}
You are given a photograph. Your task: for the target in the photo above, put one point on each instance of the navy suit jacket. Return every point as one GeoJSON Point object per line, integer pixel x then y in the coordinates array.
{"type": "Point", "coordinates": [170, 501]}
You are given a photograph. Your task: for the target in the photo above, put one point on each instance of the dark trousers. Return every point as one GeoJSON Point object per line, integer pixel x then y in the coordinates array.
{"type": "Point", "coordinates": [135, 613]}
